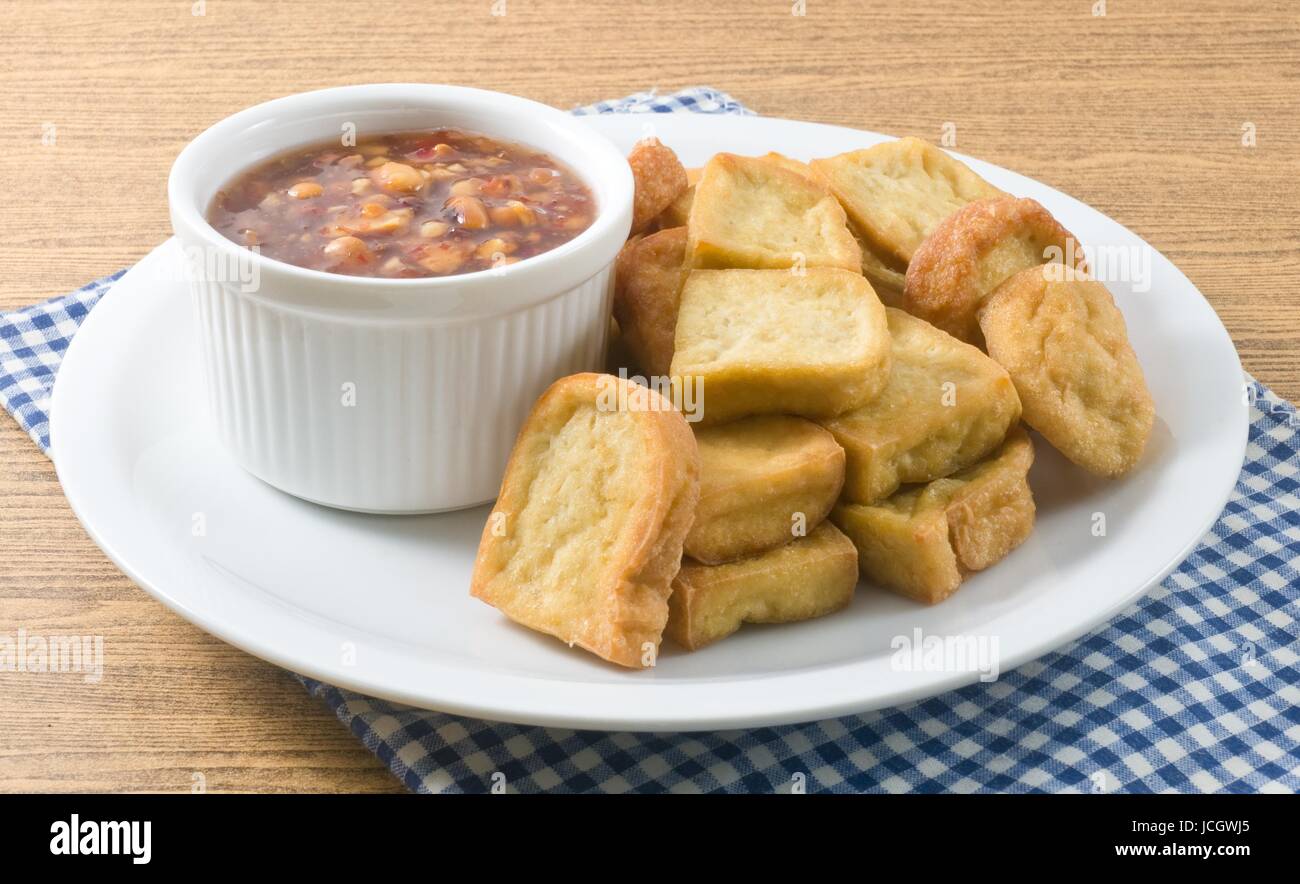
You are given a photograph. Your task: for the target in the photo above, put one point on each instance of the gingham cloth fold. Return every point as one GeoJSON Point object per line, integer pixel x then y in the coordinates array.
{"type": "Point", "coordinates": [1195, 688]}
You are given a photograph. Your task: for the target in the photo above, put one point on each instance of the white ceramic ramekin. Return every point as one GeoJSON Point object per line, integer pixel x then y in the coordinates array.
{"type": "Point", "coordinates": [390, 395]}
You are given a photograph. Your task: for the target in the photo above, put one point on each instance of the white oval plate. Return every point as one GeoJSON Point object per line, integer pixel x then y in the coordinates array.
{"type": "Point", "coordinates": [379, 604]}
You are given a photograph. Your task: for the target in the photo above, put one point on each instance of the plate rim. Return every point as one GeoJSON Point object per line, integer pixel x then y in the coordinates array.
{"type": "Point", "coordinates": [687, 716]}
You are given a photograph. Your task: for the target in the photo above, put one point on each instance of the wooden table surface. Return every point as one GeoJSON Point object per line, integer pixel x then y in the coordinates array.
{"type": "Point", "coordinates": [1143, 112]}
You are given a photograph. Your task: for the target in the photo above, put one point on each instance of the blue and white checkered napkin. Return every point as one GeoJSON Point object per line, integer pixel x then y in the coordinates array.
{"type": "Point", "coordinates": [1195, 688]}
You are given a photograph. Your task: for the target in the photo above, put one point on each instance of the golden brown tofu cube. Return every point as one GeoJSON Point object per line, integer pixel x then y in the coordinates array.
{"type": "Point", "coordinates": [752, 213]}
{"type": "Point", "coordinates": [617, 356]}
{"type": "Point", "coordinates": [763, 481]}
{"type": "Point", "coordinates": [659, 178]}
{"type": "Point", "coordinates": [895, 193]}
{"type": "Point", "coordinates": [923, 541]}
{"type": "Point", "coordinates": [945, 406]}
{"type": "Point", "coordinates": [1066, 346]}
{"type": "Point", "coordinates": [888, 282]}
{"type": "Point", "coordinates": [775, 342]}
{"type": "Point", "coordinates": [806, 578]}
{"type": "Point", "coordinates": [793, 165]}
{"type": "Point", "coordinates": [586, 536]}
{"type": "Point", "coordinates": [648, 284]}
{"type": "Point", "coordinates": [973, 251]}
{"type": "Point", "coordinates": [678, 212]}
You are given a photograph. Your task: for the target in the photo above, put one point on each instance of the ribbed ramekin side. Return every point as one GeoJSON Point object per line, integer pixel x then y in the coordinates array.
{"type": "Point", "coordinates": [390, 417]}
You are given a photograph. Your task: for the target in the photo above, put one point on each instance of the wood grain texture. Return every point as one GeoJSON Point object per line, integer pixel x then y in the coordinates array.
{"type": "Point", "coordinates": [1138, 112]}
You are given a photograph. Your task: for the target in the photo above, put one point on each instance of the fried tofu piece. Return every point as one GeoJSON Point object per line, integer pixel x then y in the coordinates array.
{"type": "Point", "coordinates": [923, 541]}
{"type": "Point", "coordinates": [750, 212]}
{"type": "Point", "coordinates": [678, 212]}
{"type": "Point", "coordinates": [660, 178]}
{"type": "Point", "coordinates": [774, 342]}
{"type": "Point", "coordinates": [617, 356]}
{"type": "Point", "coordinates": [586, 537]}
{"type": "Point", "coordinates": [649, 276]}
{"type": "Point", "coordinates": [793, 165]}
{"type": "Point", "coordinates": [895, 193]}
{"type": "Point", "coordinates": [973, 251]}
{"type": "Point", "coordinates": [884, 273]}
{"type": "Point", "coordinates": [1066, 347]}
{"type": "Point", "coordinates": [677, 215]}
{"type": "Point", "coordinates": [887, 281]}
{"type": "Point", "coordinates": [946, 405]}
{"type": "Point", "coordinates": [803, 579]}
{"type": "Point", "coordinates": [763, 481]}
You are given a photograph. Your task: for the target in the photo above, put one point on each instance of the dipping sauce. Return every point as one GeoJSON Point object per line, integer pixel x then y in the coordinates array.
{"type": "Point", "coordinates": [410, 204]}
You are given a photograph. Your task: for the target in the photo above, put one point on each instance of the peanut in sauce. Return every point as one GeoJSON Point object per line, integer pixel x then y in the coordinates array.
{"type": "Point", "coordinates": [405, 205]}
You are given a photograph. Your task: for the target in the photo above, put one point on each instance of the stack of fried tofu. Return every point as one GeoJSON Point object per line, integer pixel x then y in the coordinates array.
{"type": "Point", "coordinates": [761, 290]}
{"type": "Point", "coordinates": [858, 340]}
